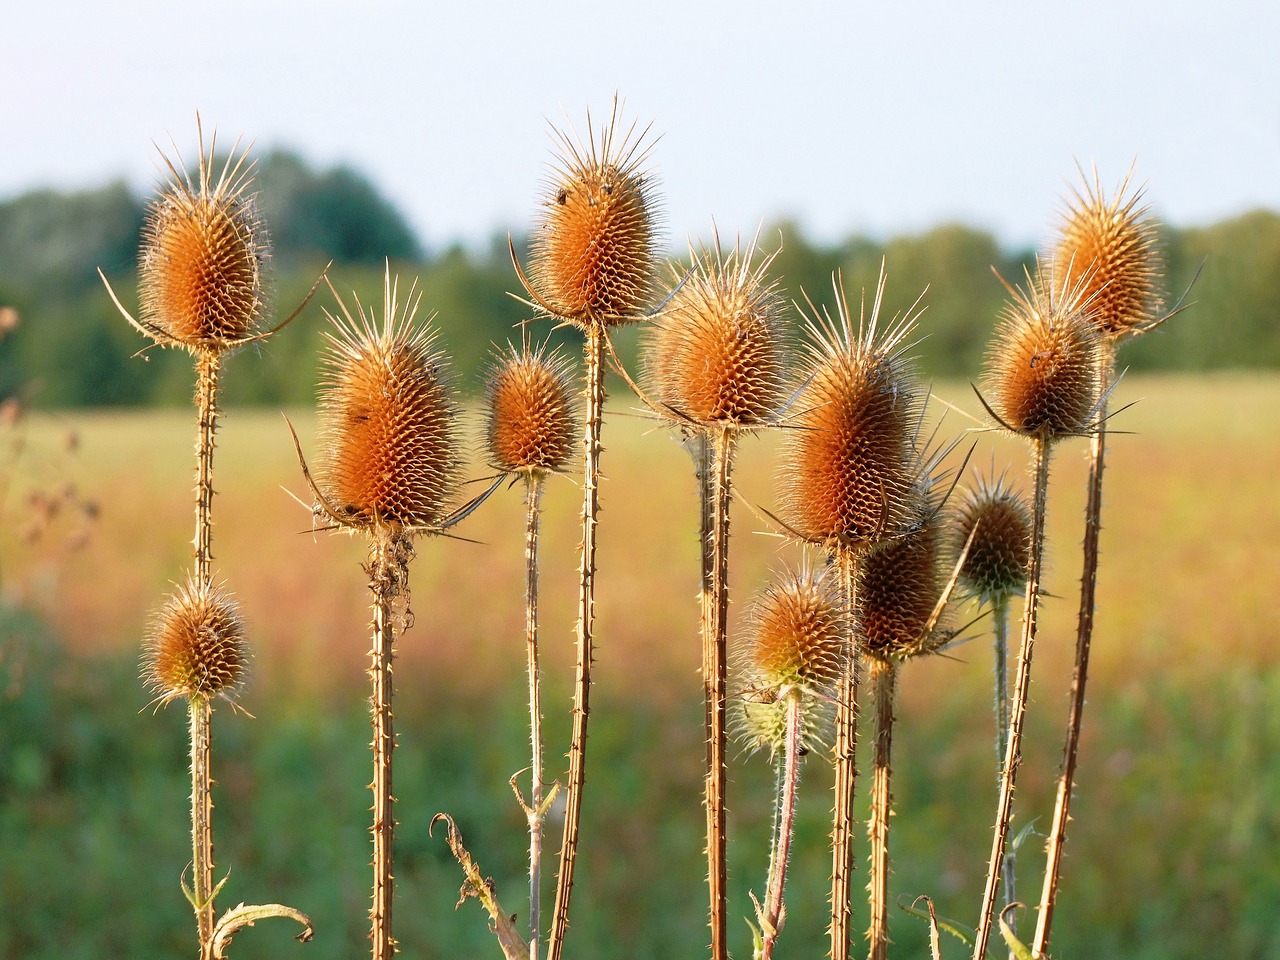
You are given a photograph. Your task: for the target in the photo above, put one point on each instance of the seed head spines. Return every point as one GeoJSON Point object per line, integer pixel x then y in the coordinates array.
{"type": "Point", "coordinates": [195, 645]}
{"type": "Point", "coordinates": [998, 519]}
{"type": "Point", "coordinates": [532, 415]}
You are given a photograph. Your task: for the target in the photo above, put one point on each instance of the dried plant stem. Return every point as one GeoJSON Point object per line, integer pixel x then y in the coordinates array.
{"type": "Point", "coordinates": [784, 826]}
{"type": "Point", "coordinates": [881, 676]}
{"type": "Point", "coordinates": [845, 762]}
{"type": "Point", "coordinates": [594, 356]}
{"type": "Point", "coordinates": [1000, 612]}
{"type": "Point", "coordinates": [1022, 687]}
{"type": "Point", "coordinates": [1080, 673]}
{"type": "Point", "coordinates": [208, 365]}
{"type": "Point", "coordinates": [533, 502]}
{"type": "Point", "coordinates": [202, 822]}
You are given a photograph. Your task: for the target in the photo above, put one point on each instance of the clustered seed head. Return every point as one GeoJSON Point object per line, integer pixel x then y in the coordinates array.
{"type": "Point", "coordinates": [533, 419]}
{"type": "Point", "coordinates": [716, 355]}
{"type": "Point", "coordinates": [200, 266]}
{"type": "Point", "coordinates": [195, 646]}
{"type": "Point", "coordinates": [1110, 246]}
{"type": "Point", "coordinates": [797, 647]}
{"type": "Point", "coordinates": [898, 590]}
{"type": "Point", "coordinates": [1042, 368]}
{"type": "Point", "coordinates": [999, 520]}
{"type": "Point", "coordinates": [388, 421]}
{"type": "Point", "coordinates": [594, 251]}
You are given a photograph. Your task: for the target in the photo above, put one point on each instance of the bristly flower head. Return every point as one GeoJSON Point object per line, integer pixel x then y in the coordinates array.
{"type": "Point", "coordinates": [1110, 246]}
{"type": "Point", "coordinates": [388, 419]}
{"type": "Point", "coordinates": [532, 415]}
{"type": "Point", "coordinates": [715, 356]}
{"type": "Point", "coordinates": [594, 251]}
{"type": "Point", "coordinates": [998, 519]}
{"type": "Point", "coordinates": [195, 646]}
{"type": "Point", "coordinates": [797, 647]}
{"type": "Point", "coordinates": [851, 460]}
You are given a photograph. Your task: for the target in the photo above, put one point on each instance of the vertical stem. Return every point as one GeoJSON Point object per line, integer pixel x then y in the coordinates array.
{"type": "Point", "coordinates": [586, 621]}
{"type": "Point", "coordinates": [208, 364]}
{"type": "Point", "coordinates": [202, 822]}
{"type": "Point", "coordinates": [533, 499]}
{"type": "Point", "coordinates": [788, 780]}
{"type": "Point", "coordinates": [1013, 754]}
{"type": "Point", "coordinates": [1000, 612]}
{"type": "Point", "coordinates": [846, 768]}
{"type": "Point", "coordinates": [882, 675]}
{"type": "Point", "coordinates": [1080, 673]}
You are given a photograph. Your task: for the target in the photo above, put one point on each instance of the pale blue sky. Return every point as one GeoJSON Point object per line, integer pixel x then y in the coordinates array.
{"type": "Point", "coordinates": [878, 117]}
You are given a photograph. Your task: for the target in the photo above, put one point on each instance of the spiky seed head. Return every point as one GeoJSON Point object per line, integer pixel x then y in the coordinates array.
{"type": "Point", "coordinates": [388, 419]}
{"type": "Point", "coordinates": [1110, 245]}
{"type": "Point", "coordinates": [195, 645]}
{"type": "Point", "coordinates": [998, 519]}
{"type": "Point", "coordinates": [200, 280]}
{"type": "Point", "coordinates": [716, 355]}
{"type": "Point", "coordinates": [851, 460]}
{"type": "Point", "coordinates": [1042, 376]}
{"type": "Point", "coordinates": [594, 248]}
{"type": "Point", "coordinates": [532, 415]}
{"type": "Point", "coordinates": [796, 647]}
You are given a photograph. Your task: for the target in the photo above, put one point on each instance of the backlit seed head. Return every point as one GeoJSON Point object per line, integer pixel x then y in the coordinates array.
{"type": "Point", "coordinates": [796, 647]}
{"type": "Point", "coordinates": [1110, 246]}
{"type": "Point", "coordinates": [1042, 377]}
{"type": "Point", "coordinates": [999, 520]}
{"type": "Point", "coordinates": [388, 419]}
{"type": "Point", "coordinates": [594, 251]}
{"type": "Point", "coordinates": [715, 357]}
{"type": "Point", "coordinates": [532, 415]}
{"type": "Point", "coordinates": [195, 646]}
{"type": "Point", "coordinates": [851, 461]}
{"type": "Point", "coordinates": [200, 267]}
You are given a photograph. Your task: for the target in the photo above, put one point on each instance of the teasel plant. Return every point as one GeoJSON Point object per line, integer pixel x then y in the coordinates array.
{"type": "Point", "coordinates": [201, 288]}
{"type": "Point", "coordinates": [1040, 382]}
{"type": "Point", "coordinates": [592, 267]}
{"type": "Point", "coordinates": [847, 478]}
{"type": "Point", "coordinates": [786, 671]}
{"type": "Point", "coordinates": [715, 365]}
{"type": "Point", "coordinates": [388, 471]}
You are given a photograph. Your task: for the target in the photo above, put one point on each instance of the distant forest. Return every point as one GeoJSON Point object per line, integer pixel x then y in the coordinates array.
{"type": "Point", "coordinates": [71, 348]}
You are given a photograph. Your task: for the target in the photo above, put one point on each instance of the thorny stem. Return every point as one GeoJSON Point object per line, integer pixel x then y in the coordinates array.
{"type": "Point", "coordinates": [1080, 673]}
{"type": "Point", "coordinates": [1000, 612]}
{"type": "Point", "coordinates": [881, 676]}
{"type": "Point", "coordinates": [202, 822]}
{"type": "Point", "coordinates": [784, 827]}
{"type": "Point", "coordinates": [594, 350]}
{"type": "Point", "coordinates": [208, 364]}
{"type": "Point", "coordinates": [1013, 754]}
{"type": "Point", "coordinates": [533, 500]}
{"type": "Point", "coordinates": [846, 768]}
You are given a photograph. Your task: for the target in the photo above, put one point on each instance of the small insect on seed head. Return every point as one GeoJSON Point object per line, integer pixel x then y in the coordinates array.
{"type": "Point", "coordinates": [195, 646]}
{"type": "Point", "coordinates": [532, 415]}
{"type": "Point", "coordinates": [998, 519]}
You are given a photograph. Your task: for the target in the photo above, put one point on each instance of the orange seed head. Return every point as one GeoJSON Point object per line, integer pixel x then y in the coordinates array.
{"type": "Point", "coordinates": [999, 520]}
{"type": "Point", "coordinates": [195, 646]}
{"type": "Point", "coordinates": [532, 422]}
{"type": "Point", "coordinates": [899, 589]}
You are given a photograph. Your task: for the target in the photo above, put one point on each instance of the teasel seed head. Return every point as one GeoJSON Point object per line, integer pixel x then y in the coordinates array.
{"type": "Point", "coordinates": [1110, 245]}
{"type": "Point", "coordinates": [998, 519]}
{"type": "Point", "coordinates": [195, 645]}
{"type": "Point", "coordinates": [715, 356]}
{"type": "Point", "coordinates": [796, 647]}
{"type": "Point", "coordinates": [851, 460]}
{"type": "Point", "coordinates": [532, 411]}
{"type": "Point", "coordinates": [1041, 378]}
{"type": "Point", "coordinates": [200, 282]}
{"type": "Point", "coordinates": [388, 419]}
{"type": "Point", "coordinates": [594, 250]}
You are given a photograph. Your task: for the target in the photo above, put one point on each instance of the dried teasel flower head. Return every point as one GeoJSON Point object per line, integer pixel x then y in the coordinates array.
{"type": "Point", "coordinates": [594, 251]}
{"type": "Point", "coordinates": [998, 519]}
{"type": "Point", "coordinates": [195, 646]}
{"type": "Point", "coordinates": [532, 411]}
{"type": "Point", "coordinates": [200, 280]}
{"type": "Point", "coordinates": [1110, 245]}
{"type": "Point", "coordinates": [388, 419]}
{"type": "Point", "coordinates": [1041, 379]}
{"type": "Point", "coordinates": [851, 461]}
{"type": "Point", "coordinates": [715, 356]}
{"type": "Point", "coordinates": [796, 647]}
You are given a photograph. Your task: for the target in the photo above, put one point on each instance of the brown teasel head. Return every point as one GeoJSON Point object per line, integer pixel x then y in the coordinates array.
{"type": "Point", "coordinates": [1109, 244]}
{"type": "Point", "coordinates": [715, 357]}
{"type": "Point", "coordinates": [388, 419]}
{"type": "Point", "coordinates": [796, 647]}
{"type": "Point", "coordinates": [200, 282]}
{"type": "Point", "coordinates": [195, 645]}
{"type": "Point", "coordinates": [998, 519]}
{"type": "Point", "coordinates": [594, 252]}
{"type": "Point", "coordinates": [851, 460]}
{"type": "Point", "coordinates": [1041, 378]}
{"type": "Point", "coordinates": [532, 411]}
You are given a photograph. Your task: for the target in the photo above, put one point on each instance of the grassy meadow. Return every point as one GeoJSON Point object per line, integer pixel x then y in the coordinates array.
{"type": "Point", "coordinates": [1178, 817]}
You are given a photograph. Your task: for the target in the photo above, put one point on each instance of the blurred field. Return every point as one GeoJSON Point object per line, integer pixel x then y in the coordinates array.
{"type": "Point", "coordinates": [1172, 855]}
